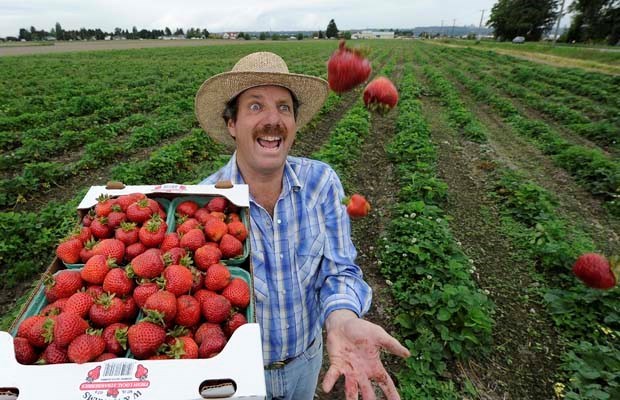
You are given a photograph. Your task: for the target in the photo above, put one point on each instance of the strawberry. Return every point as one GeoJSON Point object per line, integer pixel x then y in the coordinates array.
{"type": "Point", "coordinates": [357, 206]}
{"type": "Point", "coordinates": [202, 215]}
{"type": "Point", "coordinates": [145, 338]}
{"type": "Point", "coordinates": [207, 329]}
{"type": "Point", "coordinates": [171, 240]}
{"type": "Point", "coordinates": [24, 328]}
{"type": "Point", "coordinates": [152, 233]}
{"type": "Point", "coordinates": [127, 233]}
{"type": "Point", "coordinates": [174, 255]}
{"type": "Point", "coordinates": [216, 308]}
{"type": "Point", "coordinates": [104, 357]}
{"type": "Point", "coordinates": [193, 239]}
{"type": "Point", "coordinates": [68, 326]}
{"type": "Point", "coordinates": [62, 285]}
{"type": "Point", "coordinates": [25, 353]}
{"type": "Point", "coordinates": [163, 301]}
{"type": "Point", "coordinates": [232, 217]}
{"type": "Point", "coordinates": [217, 277]}
{"type": "Point", "coordinates": [104, 205]}
{"type": "Point", "coordinates": [183, 348]}
{"type": "Point", "coordinates": [88, 218]}
{"type": "Point", "coordinates": [87, 252]}
{"type": "Point", "coordinates": [198, 279]}
{"type": "Point", "coordinates": [107, 310]}
{"type": "Point", "coordinates": [112, 248]}
{"type": "Point", "coordinates": [54, 308]}
{"type": "Point", "coordinates": [202, 294]}
{"type": "Point", "coordinates": [218, 215]}
{"type": "Point", "coordinates": [118, 282]}
{"type": "Point", "coordinates": [126, 200]}
{"type": "Point", "coordinates": [116, 217]}
{"type": "Point", "coordinates": [596, 271]}
{"type": "Point", "coordinates": [143, 291]}
{"type": "Point", "coordinates": [380, 95]}
{"type": "Point", "coordinates": [79, 303]}
{"type": "Point", "coordinates": [234, 322]}
{"type": "Point", "coordinates": [187, 225]}
{"type": "Point", "coordinates": [100, 228]}
{"type": "Point", "coordinates": [130, 309]}
{"type": "Point", "coordinates": [238, 230]}
{"type": "Point", "coordinates": [206, 256]}
{"type": "Point", "coordinates": [179, 279]}
{"type": "Point", "coordinates": [238, 293]}
{"type": "Point", "coordinates": [230, 246]}
{"type": "Point", "coordinates": [85, 348]}
{"type": "Point", "coordinates": [215, 229]}
{"type": "Point", "coordinates": [149, 264]}
{"type": "Point", "coordinates": [41, 332]}
{"type": "Point", "coordinates": [83, 233]}
{"type": "Point", "coordinates": [69, 251]}
{"type": "Point", "coordinates": [347, 68]}
{"type": "Point", "coordinates": [139, 211]}
{"type": "Point", "coordinates": [187, 208]}
{"type": "Point", "coordinates": [95, 291]}
{"type": "Point", "coordinates": [188, 311]}
{"type": "Point", "coordinates": [115, 337]}
{"type": "Point", "coordinates": [54, 354]}
{"type": "Point", "coordinates": [96, 268]}
{"type": "Point", "coordinates": [211, 346]}
{"type": "Point", "coordinates": [218, 204]}
{"type": "Point", "coordinates": [134, 250]}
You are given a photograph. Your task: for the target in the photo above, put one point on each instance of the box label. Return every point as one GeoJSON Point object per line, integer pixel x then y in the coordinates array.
{"type": "Point", "coordinates": [117, 380]}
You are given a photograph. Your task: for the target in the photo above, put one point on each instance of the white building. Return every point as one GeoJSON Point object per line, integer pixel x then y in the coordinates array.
{"type": "Point", "coordinates": [373, 35]}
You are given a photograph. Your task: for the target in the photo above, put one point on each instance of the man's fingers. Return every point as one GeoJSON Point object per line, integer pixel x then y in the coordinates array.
{"type": "Point", "coordinates": [330, 378]}
{"type": "Point", "coordinates": [393, 346]}
{"type": "Point", "coordinates": [368, 392]}
{"type": "Point", "coordinates": [350, 386]}
{"type": "Point", "coordinates": [386, 384]}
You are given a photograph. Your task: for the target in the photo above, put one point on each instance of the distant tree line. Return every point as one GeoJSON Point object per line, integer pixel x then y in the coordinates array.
{"type": "Point", "coordinates": [58, 33]}
{"type": "Point", "coordinates": [593, 20]}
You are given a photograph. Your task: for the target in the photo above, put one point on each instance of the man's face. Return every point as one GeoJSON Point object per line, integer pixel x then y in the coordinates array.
{"type": "Point", "coordinates": [265, 128]}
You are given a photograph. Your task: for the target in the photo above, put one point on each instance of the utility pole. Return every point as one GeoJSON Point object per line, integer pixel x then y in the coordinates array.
{"type": "Point", "coordinates": [453, 23]}
{"type": "Point", "coordinates": [557, 27]}
{"type": "Point", "coordinates": [441, 31]}
{"type": "Point", "coordinates": [480, 26]}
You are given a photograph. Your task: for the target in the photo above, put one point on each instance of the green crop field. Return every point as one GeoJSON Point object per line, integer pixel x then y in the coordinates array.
{"type": "Point", "coordinates": [490, 177]}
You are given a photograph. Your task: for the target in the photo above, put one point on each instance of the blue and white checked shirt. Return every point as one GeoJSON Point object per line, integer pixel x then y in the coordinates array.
{"type": "Point", "coordinates": [303, 258]}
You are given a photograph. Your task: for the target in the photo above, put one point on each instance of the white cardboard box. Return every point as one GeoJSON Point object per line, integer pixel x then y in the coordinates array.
{"type": "Point", "coordinates": [235, 373]}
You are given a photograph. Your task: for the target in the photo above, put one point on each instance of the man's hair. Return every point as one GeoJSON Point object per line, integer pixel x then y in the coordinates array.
{"type": "Point", "coordinates": [232, 107]}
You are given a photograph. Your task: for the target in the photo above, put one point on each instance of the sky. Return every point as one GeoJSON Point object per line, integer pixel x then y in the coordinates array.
{"type": "Point", "coordinates": [237, 15]}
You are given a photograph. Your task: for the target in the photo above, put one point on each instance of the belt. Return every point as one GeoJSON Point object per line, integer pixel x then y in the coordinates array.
{"type": "Point", "coordinates": [283, 363]}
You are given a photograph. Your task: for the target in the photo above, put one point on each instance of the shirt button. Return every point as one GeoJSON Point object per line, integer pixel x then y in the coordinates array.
{"type": "Point", "coordinates": [281, 255]}
{"type": "Point", "coordinates": [279, 221]}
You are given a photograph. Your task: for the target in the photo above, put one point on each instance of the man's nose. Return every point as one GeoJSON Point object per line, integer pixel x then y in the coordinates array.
{"type": "Point", "coordinates": [272, 117]}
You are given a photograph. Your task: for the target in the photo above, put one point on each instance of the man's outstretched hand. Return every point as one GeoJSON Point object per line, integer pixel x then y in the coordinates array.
{"type": "Point", "coordinates": [354, 347]}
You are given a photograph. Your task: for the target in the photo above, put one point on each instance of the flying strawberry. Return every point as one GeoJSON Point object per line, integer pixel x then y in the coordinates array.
{"type": "Point", "coordinates": [596, 271]}
{"type": "Point", "coordinates": [380, 95]}
{"type": "Point", "coordinates": [357, 206]}
{"type": "Point", "coordinates": [347, 68]}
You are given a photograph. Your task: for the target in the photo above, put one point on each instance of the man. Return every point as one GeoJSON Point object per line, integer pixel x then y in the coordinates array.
{"type": "Point", "coordinates": [305, 276]}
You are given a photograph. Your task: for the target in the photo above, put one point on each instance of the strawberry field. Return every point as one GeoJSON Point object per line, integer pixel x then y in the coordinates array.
{"type": "Point", "coordinates": [487, 181]}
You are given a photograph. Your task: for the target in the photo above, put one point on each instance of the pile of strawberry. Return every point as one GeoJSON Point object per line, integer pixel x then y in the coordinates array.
{"type": "Point", "coordinates": [188, 302]}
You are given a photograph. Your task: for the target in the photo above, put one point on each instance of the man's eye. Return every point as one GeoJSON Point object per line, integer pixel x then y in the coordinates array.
{"type": "Point", "coordinates": [254, 107]}
{"type": "Point", "coordinates": [285, 107]}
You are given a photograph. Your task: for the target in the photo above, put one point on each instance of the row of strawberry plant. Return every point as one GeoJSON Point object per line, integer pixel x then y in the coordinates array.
{"type": "Point", "coordinates": [597, 86]}
{"type": "Point", "coordinates": [587, 320]}
{"type": "Point", "coordinates": [595, 172]}
{"type": "Point", "coordinates": [539, 97]}
{"type": "Point", "coordinates": [441, 313]}
{"type": "Point", "coordinates": [458, 115]}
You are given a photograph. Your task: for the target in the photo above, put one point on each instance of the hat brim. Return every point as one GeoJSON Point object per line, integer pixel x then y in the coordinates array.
{"type": "Point", "coordinates": [216, 91]}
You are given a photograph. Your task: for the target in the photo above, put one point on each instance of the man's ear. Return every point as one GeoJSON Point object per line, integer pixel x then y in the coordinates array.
{"type": "Point", "coordinates": [231, 128]}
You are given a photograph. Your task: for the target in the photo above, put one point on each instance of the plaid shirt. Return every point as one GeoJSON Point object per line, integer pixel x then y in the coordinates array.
{"type": "Point", "coordinates": [303, 257]}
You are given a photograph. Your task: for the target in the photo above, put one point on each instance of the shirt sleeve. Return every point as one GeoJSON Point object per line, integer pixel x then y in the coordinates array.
{"type": "Point", "coordinates": [343, 285]}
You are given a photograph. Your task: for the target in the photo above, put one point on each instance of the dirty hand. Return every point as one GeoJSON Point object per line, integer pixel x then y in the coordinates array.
{"type": "Point", "coordinates": [354, 346]}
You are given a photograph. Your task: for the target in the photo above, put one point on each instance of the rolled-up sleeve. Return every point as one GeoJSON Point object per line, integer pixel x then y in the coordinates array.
{"type": "Point", "coordinates": [343, 286]}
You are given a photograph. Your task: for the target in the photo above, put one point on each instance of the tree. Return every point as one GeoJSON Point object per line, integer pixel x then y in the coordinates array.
{"type": "Point", "coordinates": [595, 20]}
{"type": "Point", "coordinates": [134, 33]}
{"type": "Point", "coordinates": [205, 33]}
{"type": "Point", "coordinates": [321, 35]}
{"type": "Point", "coordinates": [25, 34]}
{"type": "Point", "coordinates": [168, 32]}
{"type": "Point", "coordinates": [300, 36]}
{"type": "Point", "coordinates": [347, 35]}
{"type": "Point", "coordinates": [332, 30]}
{"type": "Point", "coordinates": [59, 32]}
{"type": "Point", "coordinates": [262, 36]}
{"type": "Point", "coordinates": [529, 18]}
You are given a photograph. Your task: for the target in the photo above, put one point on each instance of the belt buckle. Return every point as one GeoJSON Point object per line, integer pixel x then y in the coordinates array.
{"type": "Point", "coordinates": [276, 365]}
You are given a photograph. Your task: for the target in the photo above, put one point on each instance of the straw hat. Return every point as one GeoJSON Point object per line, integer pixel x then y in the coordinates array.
{"type": "Point", "coordinates": [256, 69]}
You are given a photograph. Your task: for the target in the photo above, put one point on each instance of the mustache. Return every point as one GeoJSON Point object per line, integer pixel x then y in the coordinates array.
{"type": "Point", "coordinates": [270, 130]}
